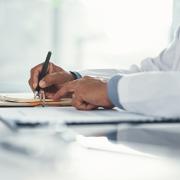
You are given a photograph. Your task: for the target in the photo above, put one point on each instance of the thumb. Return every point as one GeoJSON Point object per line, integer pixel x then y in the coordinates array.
{"type": "Point", "coordinates": [49, 80]}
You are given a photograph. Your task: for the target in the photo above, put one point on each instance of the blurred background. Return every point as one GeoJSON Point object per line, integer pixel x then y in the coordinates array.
{"type": "Point", "coordinates": [81, 34]}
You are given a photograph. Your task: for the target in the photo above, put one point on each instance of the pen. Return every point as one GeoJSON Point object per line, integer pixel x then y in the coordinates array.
{"type": "Point", "coordinates": [37, 92]}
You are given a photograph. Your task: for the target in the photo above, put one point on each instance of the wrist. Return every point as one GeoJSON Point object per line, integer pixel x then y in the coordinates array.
{"type": "Point", "coordinates": [112, 90]}
{"type": "Point", "coordinates": [75, 75]}
{"type": "Point", "coordinates": [107, 102]}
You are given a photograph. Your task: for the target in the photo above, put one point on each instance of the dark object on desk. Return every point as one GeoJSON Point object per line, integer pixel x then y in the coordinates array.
{"type": "Point", "coordinates": [124, 121]}
{"type": "Point", "coordinates": [44, 70]}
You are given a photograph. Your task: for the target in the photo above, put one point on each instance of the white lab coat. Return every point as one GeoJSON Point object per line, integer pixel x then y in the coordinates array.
{"type": "Point", "coordinates": [152, 89]}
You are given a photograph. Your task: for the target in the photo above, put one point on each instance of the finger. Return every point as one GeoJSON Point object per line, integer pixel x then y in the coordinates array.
{"type": "Point", "coordinates": [50, 68]}
{"type": "Point", "coordinates": [49, 95]}
{"type": "Point", "coordinates": [49, 80]}
{"type": "Point", "coordinates": [52, 79]}
{"type": "Point", "coordinates": [87, 77]}
{"type": "Point", "coordinates": [91, 107]}
{"type": "Point", "coordinates": [75, 102]}
{"type": "Point", "coordinates": [35, 79]}
{"type": "Point", "coordinates": [30, 84]}
{"type": "Point", "coordinates": [34, 76]}
{"type": "Point", "coordinates": [33, 82]}
{"type": "Point", "coordinates": [85, 106]}
{"type": "Point", "coordinates": [65, 90]}
{"type": "Point", "coordinates": [57, 78]}
{"type": "Point", "coordinates": [79, 104]}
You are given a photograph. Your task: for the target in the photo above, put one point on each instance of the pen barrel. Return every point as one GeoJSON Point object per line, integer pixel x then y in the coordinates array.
{"type": "Point", "coordinates": [44, 70]}
{"type": "Point", "coordinates": [45, 66]}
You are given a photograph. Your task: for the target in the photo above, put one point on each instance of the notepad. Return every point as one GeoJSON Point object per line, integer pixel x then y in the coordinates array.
{"type": "Point", "coordinates": [27, 100]}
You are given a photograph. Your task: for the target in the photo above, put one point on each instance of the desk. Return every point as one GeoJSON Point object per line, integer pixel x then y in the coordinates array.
{"type": "Point", "coordinates": [78, 163]}
{"type": "Point", "coordinates": [72, 161]}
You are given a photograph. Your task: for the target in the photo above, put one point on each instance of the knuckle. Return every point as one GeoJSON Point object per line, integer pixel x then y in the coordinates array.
{"type": "Point", "coordinates": [50, 67]}
{"type": "Point", "coordinates": [80, 108]}
{"type": "Point", "coordinates": [47, 78]}
{"type": "Point", "coordinates": [66, 85]}
{"type": "Point", "coordinates": [87, 77]}
{"type": "Point", "coordinates": [29, 81]}
{"type": "Point", "coordinates": [52, 64]}
{"type": "Point", "coordinates": [73, 103]}
{"type": "Point", "coordinates": [36, 68]}
{"type": "Point", "coordinates": [32, 70]}
{"type": "Point", "coordinates": [62, 92]}
{"type": "Point", "coordinates": [76, 103]}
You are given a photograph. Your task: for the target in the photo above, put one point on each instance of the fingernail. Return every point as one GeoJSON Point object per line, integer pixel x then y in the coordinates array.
{"type": "Point", "coordinates": [34, 85]}
{"type": "Point", "coordinates": [42, 84]}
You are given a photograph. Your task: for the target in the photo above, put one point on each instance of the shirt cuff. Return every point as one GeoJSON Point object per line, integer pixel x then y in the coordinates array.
{"type": "Point", "coordinates": [113, 91]}
{"type": "Point", "coordinates": [76, 75]}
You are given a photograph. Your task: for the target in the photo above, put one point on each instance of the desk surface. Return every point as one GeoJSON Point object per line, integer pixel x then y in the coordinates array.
{"type": "Point", "coordinates": [84, 164]}
{"type": "Point", "coordinates": [67, 161]}
{"type": "Point", "coordinates": [72, 161]}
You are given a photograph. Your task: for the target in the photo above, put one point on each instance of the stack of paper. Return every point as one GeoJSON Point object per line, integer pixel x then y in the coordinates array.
{"type": "Point", "coordinates": [27, 100]}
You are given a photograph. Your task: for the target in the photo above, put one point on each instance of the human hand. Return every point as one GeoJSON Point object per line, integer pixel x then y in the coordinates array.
{"type": "Point", "coordinates": [88, 93]}
{"type": "Point", "coordinates": [52, 82]}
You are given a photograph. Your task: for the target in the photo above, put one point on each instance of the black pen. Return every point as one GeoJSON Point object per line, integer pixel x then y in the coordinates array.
{"type": "Point", "coordinates": [42, 74]}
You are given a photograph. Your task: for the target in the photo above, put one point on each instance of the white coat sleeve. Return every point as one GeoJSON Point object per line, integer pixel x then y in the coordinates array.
{"type": "Point", "coordinates": [167, 60]}
{"type": "Point", "coordinates": [150, 93]}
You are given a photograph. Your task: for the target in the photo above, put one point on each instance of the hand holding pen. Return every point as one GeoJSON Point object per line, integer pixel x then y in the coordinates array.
{"type": "Point", "coordinates": [39, 92]}
{"type": "Point", "coordinates": [52, 81]}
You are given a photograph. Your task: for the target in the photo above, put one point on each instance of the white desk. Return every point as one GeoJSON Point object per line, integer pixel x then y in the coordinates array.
{"type": "Point", "coordinates": [64, 161]}
{"type": "Point", "coordinates": [74, 162]}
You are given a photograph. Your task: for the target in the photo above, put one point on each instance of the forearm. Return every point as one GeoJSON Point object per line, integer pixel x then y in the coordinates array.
{"type": "Point", "coordinates": [153, 93]}
{"type": "Point", "coordinates": [99, 73]}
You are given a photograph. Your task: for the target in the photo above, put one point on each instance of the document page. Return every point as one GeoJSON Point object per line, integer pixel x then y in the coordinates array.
{"type": "Point", "coordinates": [27, 100]}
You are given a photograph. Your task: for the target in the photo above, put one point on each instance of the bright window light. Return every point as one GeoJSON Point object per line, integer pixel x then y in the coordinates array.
{"type": "Point", "coordinates": [128, 30]}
